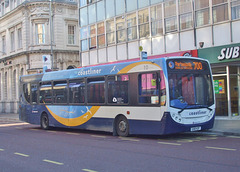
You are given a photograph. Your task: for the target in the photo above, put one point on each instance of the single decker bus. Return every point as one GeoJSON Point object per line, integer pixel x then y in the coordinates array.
{"type": "Point", "coordinates": [154, 96]}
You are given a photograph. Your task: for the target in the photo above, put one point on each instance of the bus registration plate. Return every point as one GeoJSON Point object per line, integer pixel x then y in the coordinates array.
{"type": "Point", "coordinates": [196, 128]}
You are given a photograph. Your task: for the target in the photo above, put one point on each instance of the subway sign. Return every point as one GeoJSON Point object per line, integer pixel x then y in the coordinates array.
{"type": "Point", "coordinates": [229, 53]}
{"type": "Point", "coordinates": [221, 54]}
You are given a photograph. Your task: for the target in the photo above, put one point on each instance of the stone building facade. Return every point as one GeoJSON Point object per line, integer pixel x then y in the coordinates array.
{"type": "Point", "coordinates": [25, 36]}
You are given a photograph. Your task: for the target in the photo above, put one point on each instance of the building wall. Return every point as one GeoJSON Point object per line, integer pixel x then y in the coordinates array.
{"type": "Point", "coordinates": [25, 57]}
{"type": "Point", "coordinates": [162, 27]}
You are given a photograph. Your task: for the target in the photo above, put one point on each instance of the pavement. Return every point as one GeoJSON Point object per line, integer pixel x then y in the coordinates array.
{"type": "Point", "coordinates": [221, 126]}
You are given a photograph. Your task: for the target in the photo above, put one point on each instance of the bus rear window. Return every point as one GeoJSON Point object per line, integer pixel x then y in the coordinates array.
{"type": "Point", "coordinates": [26, 90]}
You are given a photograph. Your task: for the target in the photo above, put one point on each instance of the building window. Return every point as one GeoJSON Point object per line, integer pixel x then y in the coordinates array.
{"type": "Point", "coordinates": [131, 5]}
{"type": "Point", "coordinates": [40, 33]}
{"type": "Point", "coordinates": [156, 1]}
{"type": "Point", "coordinates": [120, 27]}
{"type": "Point", "coordinates": [110, 10]}
{"type": "Point", "coordinates": [3, 7]}
{"type": "Point", "coordinates": [83, 16]}
{"type": "Point", "coordinates": [185, 11]}
{"type": "Point", "coordinates": [120, 7]}
{"type": "Point", "coordinates": [131, 27]}
{"type": "Point", "coordinates": [83, 2]}
{"type": "Point", "coordinates": [4, 44]}
{"type": "Point", "coordinates": [110, 29]}
{"type": "Point", "coordinates": [143, 3]}
{"type": "Point", "coordinates": [83, 37]}
{"type": "Point", "coordinates": [92, 14]}
{"type": "Point", "coordinates": [156, 19]}
{"type": "Point", "coordinates": [100, 11]}
{"type": "Point", "coordinates": [19, 32]}
{"type": "Point", "coordinates": [93, 39]}
{"type": "Point", "coordinates": [101, 35]}
{"type": "Point", "coordinates": [143, 21]}
{"type": "Point", "coordinates": [71, 34]}
{"type": "Point", "coordinates": [12, 41]}
{"type": "Point", "coordinates": [170, 16]}
{"type": "Point", "coordinates": [220, 10]}
{"type": "Point", "coordinates": [202, 12]}
{"type": "Point", "coordinates": [235, 6]}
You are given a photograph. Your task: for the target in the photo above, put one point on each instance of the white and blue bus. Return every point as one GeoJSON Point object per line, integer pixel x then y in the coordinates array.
{"type": "Point", "coordinates": [157, 96]}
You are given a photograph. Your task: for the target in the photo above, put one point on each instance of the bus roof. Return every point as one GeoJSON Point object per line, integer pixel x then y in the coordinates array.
{"type": "Point", "coordinates": [100, 70]}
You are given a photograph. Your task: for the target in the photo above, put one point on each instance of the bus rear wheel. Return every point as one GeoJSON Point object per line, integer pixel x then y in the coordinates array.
{"type": "Point", "coordinates": [122, 126]}
{"type": "Point", "coordinates": [44, 121]}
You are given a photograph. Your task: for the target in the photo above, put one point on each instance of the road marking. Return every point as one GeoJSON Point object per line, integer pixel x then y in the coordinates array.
{"type": "Point", "coordinates": [33, 129]}
{"type": "Point", "coordinates": [235, 137]}
{"type": "Point", "coordinates": [53, 162]}
{"type": "Point", "coordinates": [98, 136]}
{"type": "Point", "coordinates": [218, 148]}
{"type": "Point", "coordinates": [88, 170]}
{"type": "Point", "coordinates": [168, 143]}
{"type": "Point", "coordinates": [10, 125]}
{"type": "Point", "coordinates": [1, 149]}
{"type": "Point", "coordinates": [21, 154]}
{"type": "Point", "coordinates": [129, 139]}
{"type": "Point", "coordinates": [77, 134]}
{"type": "Point", "coordinates": [51, 131]}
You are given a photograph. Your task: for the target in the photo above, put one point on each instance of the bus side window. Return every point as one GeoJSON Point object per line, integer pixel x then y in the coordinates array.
{"type": "Point", "coordinates": [45, 94]}
{"type": "Point", "coordinates": [162, 89]}
{"type": "Point", "coordinates": [148, 88]}
{"type": "Point", "coordinates": [60, 91]}
{"type": "Point", "coordinates": [96, 90]}
{"type": "Point", "coordinates": [34, 88]}
{"type": "Point", "coordinates": [76, 91]}
{"type": "Point", "coordinates": [118, 89]}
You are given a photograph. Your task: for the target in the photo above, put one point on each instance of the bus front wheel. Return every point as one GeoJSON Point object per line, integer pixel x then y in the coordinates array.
{"type": "Point", "coordinates": [122, 126]}
{"type": "Point", "coordinates": [44, 121]}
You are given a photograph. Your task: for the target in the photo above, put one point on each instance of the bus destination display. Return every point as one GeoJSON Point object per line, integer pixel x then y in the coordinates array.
{"type": "Point", "coordinates": [185, 65]}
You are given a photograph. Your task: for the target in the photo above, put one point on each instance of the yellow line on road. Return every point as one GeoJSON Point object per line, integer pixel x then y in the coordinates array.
{"type": "Point", "coordinates": [98, 136]}
{"type": "Point", "coordinates": [77, 134]}
{"type": "Point", "coordinates": [10, 125]}
{"type": "Point", "coordinates": [168, 143]}
{"type": "Point", "coordinates": [129, 139]}
{"type": "Point", "coordinates": [21, 154]}
{"type": "Point", "coordinates": [33, 129]}
{"type": "Point", "coordinates": [218, 148]}
{"type": "Point", "coordinates": [1, 149]}
{"type": "Point", "coordinates": [51, 131]}
{"type": "Point", "coordinates": [53, 162]}
{"type": "Point", "coordinates": [88, 170]}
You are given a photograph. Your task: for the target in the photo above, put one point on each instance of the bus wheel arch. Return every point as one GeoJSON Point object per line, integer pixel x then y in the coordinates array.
{"type": "Point", "coordinates": [44, 121]}
{"type": "Point", "coordinates": [121, 126]}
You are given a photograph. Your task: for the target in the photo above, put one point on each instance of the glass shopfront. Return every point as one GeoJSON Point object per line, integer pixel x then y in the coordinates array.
{"type": "Point", "coordinates": [226, 85]}
{"type": "Point", "coordinates": [225, 63]}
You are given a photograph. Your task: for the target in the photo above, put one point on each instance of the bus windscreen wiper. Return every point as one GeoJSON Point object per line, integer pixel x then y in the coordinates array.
{"type": "Point", "coordinates": [194, 106]}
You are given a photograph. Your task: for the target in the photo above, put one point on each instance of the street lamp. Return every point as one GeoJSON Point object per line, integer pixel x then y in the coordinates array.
{"type": "Point", "coordinates": [51, 31]}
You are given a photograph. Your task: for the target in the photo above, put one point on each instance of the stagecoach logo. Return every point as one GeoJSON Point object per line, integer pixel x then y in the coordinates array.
{"type": "Point", "coordinates": [89, 72]}
{"type": "Point", "coordinates": [200, 112]}
{"type": "Point", "coordinates": [171, 65]}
